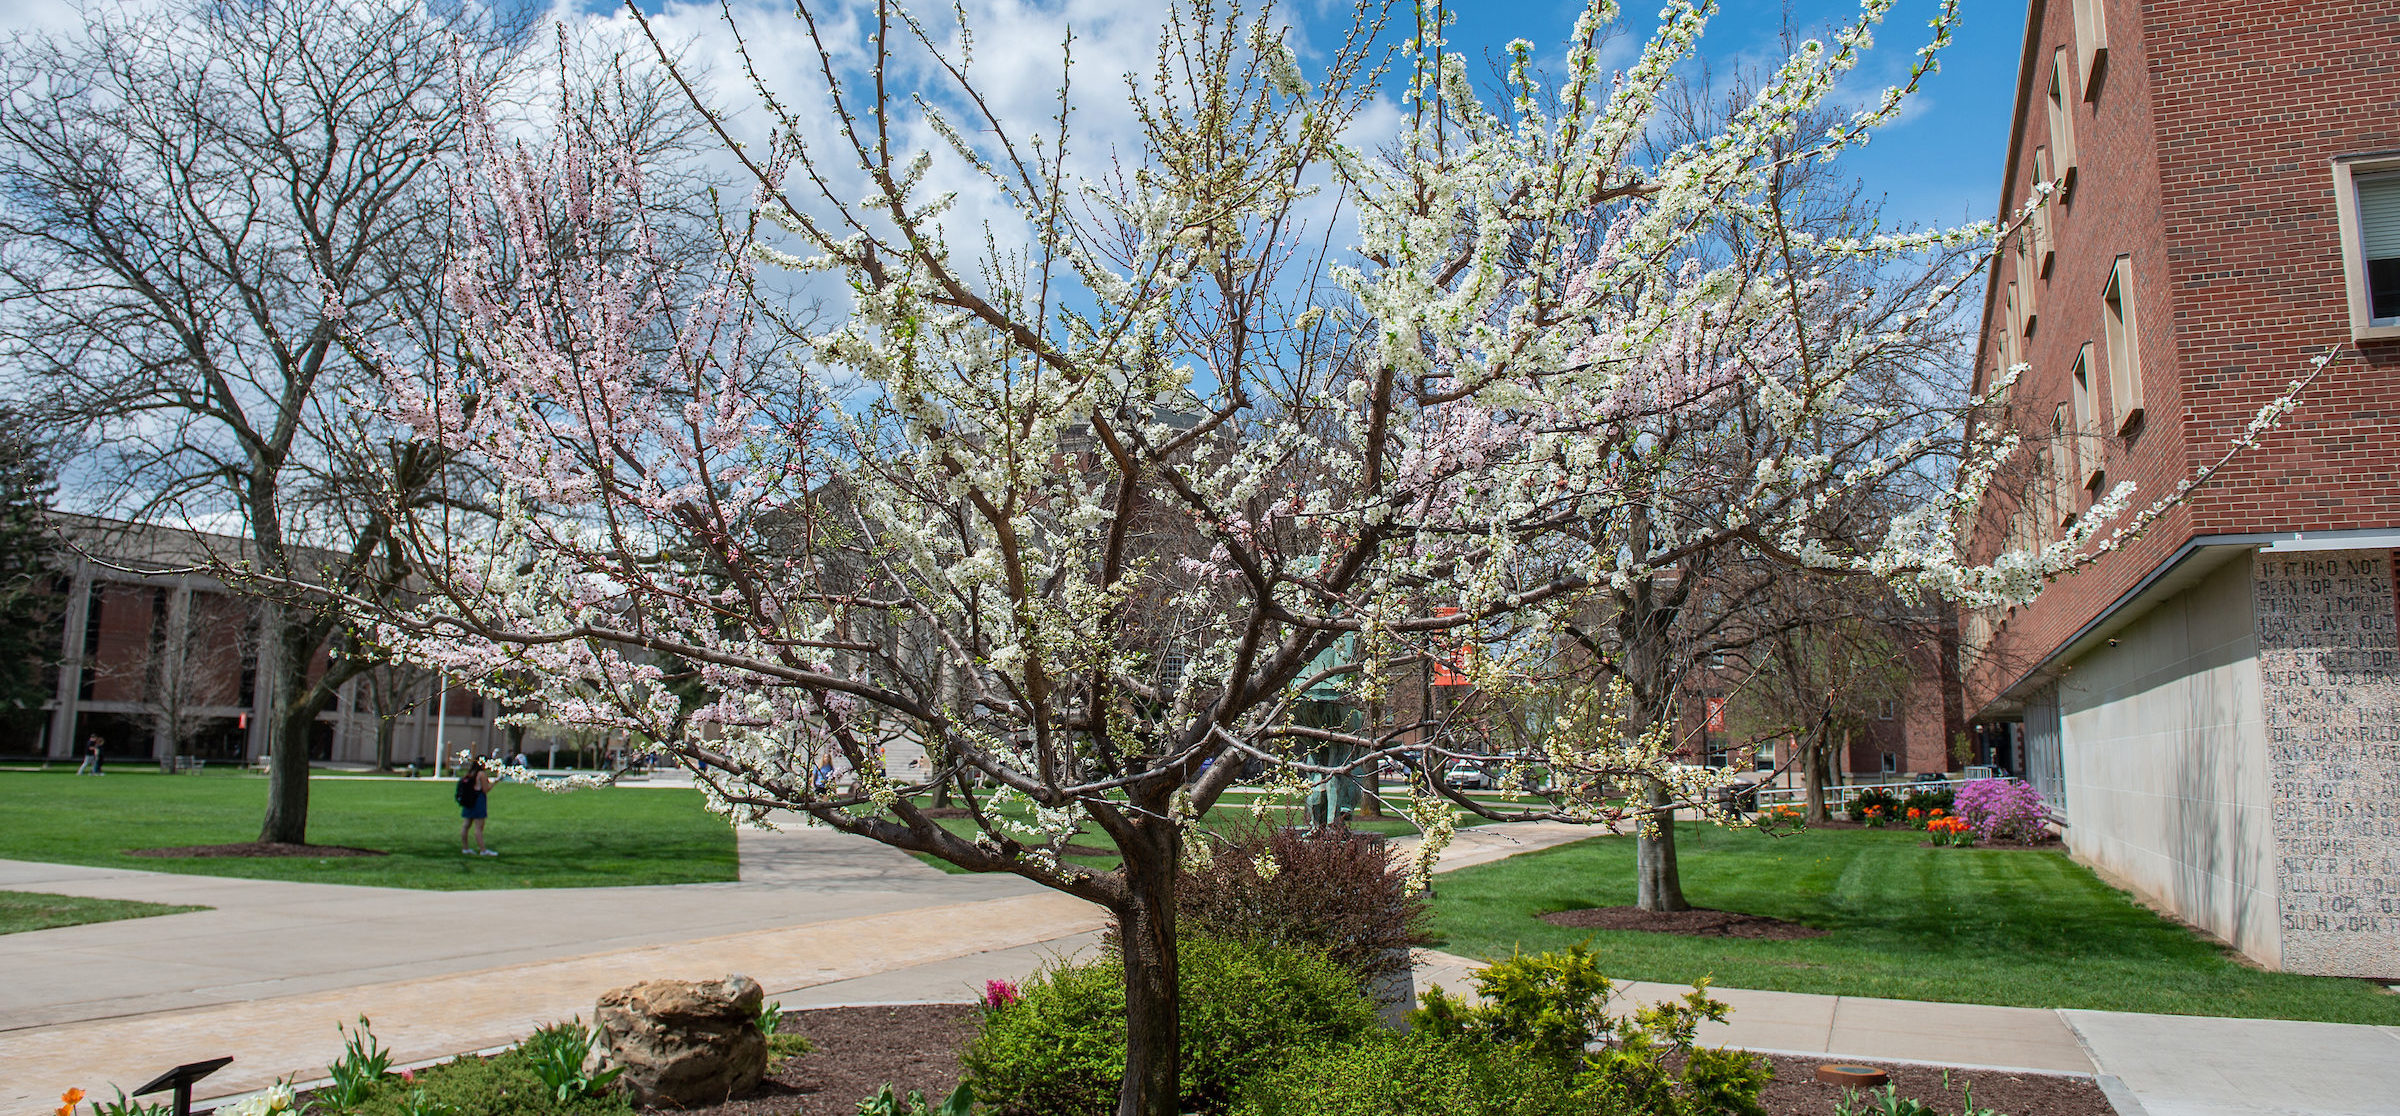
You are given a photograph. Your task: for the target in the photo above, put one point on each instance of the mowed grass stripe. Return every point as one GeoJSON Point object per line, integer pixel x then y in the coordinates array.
{"type": "Point", "coordinates": [593, 838]}
{"type": "Point", "coordinates": [1902, 921]}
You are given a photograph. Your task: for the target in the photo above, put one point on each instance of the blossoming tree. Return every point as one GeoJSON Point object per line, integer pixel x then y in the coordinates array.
{"type": "Point", "coordinates": [1115, 455]}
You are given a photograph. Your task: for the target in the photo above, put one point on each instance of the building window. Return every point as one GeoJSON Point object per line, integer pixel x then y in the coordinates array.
{"type": "Point", "coordinates": [2062, 123]}
{"type": "Point", "coordinates": [2087, 414]}
{"type": "Point", "coordinates": [2091, 44]}
{"type": "Point", "coordinates": [2124, 347]}
{"type": "Point", "coordinates": [2045, 247]}
{"type": "Point", "coordinates": [2029, 301]}
{"type": "Point", "coordinates": [2366, 193]}
{"type": "Point", "coordinates": [2065, 477]}
{"type": "Point", "coordinates": [1891, 763]}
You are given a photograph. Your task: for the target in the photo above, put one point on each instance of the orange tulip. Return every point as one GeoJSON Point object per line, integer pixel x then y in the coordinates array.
{"type": "Point", "coordinates": [68, 1100]}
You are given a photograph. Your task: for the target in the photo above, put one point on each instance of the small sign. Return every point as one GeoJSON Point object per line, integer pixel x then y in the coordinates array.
{"type": "Point", "coordinates": [180, 1079]}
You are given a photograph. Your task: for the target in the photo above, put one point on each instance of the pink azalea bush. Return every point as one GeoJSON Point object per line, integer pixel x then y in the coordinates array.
{"type": "Point", "coordinates": [2002, 809]}
{"type": "Point", "coordinates": [998, 994]}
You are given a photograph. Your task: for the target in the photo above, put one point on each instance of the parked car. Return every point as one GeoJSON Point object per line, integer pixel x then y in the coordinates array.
{"type": "Point", "coordinates": [1468, 775]}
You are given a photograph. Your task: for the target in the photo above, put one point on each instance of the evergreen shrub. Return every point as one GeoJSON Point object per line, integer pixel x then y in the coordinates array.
{"type": "Point", "coordinates": [1059, 1050]}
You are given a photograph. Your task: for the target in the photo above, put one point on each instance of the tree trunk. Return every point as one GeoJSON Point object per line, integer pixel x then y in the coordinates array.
{"type": "Point", "coordinates": [1812, 774]}
{"type": "Point", "coordinates": [286, 679]}
{"type": "Point", "coordinates": [383, 744]}
{"type": "Point", "coordinates": [1658, 887]}
{"type": "Point", "coordinates": [1146, 936]}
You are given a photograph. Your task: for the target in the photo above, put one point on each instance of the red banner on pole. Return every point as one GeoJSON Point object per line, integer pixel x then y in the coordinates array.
{"type": "Point", "coordinates": [1716, 714]}
{"type": "Point", "coordinates": [1450, 666]}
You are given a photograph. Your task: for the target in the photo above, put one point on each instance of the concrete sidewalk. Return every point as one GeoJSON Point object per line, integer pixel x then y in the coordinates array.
{"type": "Point", "coordinates": [818, 918]}
{"type": "Point", "coordinates": [2150, 1065]}
{"type": "Point", "coordinates": [431, 1017]}
{"type": "Point", "coordinates": [267, 938]}
{"type": "Point", "coordinates": [821, 919]}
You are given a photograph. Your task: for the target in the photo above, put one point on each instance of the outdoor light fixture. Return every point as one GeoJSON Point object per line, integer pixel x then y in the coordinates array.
{"type": "Point", "coordinates": [180, 1079]}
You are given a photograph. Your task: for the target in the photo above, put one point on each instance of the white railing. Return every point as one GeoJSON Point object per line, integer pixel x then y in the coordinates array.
{"type": "Point", "coordinates": [1837, 796]}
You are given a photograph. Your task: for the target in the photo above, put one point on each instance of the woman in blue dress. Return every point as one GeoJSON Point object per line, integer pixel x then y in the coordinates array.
{"type": "Point", "coordinates": [474, 799]}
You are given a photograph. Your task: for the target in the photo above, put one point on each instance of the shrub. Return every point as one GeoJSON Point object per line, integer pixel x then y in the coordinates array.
{"type": "Point", "coordinates": [1549, 1007]}
{"type": "Point", "coordinates": [1861, 802]}
{"type": "Point", "coordinates": [1060, 1049]}
{"type": "Point", "coordinates": [1925, 802]}
{"type": "Point", "coordinates": [1333, 892]}
{"type": "Point", "coordinates": [2002, 809]}
{"type": "Point", "coordinates": [1555, 1003]}
{"type": "Point", "coordinates": [1414, 1074]}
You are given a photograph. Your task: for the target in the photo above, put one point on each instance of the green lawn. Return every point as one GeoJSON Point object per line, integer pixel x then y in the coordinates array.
{"type": "Point", "coordinates": [1902, 921]}
{"type": "Point", "coordinates": [593, 838]}
{"type": "Point", "coordinates": [1233, 810]}
{"type": "Point", "coordinates": [37, 910]}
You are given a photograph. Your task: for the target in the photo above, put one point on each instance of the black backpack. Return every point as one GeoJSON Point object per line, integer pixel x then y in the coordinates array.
{"type": "Point", "coordinates": [465, 793]}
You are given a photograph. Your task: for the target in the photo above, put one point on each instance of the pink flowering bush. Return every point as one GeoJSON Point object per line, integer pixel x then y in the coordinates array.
{"type": "Point", "coordinates": [998, 994]}
{"type": "Point", "coordinates": [2002, 809]}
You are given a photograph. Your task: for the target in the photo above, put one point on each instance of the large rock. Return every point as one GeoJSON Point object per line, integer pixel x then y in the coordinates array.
{"type": "Point", "coordinates": [684, 1042]}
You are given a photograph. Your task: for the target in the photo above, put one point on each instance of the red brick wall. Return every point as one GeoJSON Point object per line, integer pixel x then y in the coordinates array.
{"type": "Point", "coordinates": [2254, 100]}
{"type": "Point", "coordinates": [2205, 156]}
{"type": "Point", "coordinates": [120, 661]}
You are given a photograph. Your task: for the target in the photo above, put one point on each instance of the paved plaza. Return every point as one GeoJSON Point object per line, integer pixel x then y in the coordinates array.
{"type": "Point", "coordinates": [822, 919]}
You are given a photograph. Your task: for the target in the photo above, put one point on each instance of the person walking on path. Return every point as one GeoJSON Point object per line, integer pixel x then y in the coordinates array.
{"type": "Point", "coordinates": [91, 757]}
{"type": "Point", "coordinates": [474, 801]}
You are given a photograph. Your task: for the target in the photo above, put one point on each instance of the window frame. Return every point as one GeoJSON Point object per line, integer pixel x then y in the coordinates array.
{"type": "Point", "coordinates": [2091, 44]}
{"type": "Point", "coordinates": [2062, 122]}
{"type": "Point", "coordinates": [2121, 320]}
{"type": "Point", "coordinates": [2065, 467]}
{"type": "Point", "coordinates": [2347, 170]}
{"type": "Point", "coordinates": [2045, 246]}
{"type": "Point", "coordinates": [2029, 305]}
{"type": "Point", "coordinates": [2087, 413]}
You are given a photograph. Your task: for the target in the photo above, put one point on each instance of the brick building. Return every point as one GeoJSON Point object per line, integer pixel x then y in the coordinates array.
{"type": "Point", "coordinates": [2213, 708]}
{"type": "Point", "coordinates": [159, 662]}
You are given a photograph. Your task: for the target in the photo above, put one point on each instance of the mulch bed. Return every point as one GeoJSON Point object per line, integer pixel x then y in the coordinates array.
{"type": "Point", "coordinates": [1795, 1091]}
{"type": "Point", "coordinates": [916, 1047]}
{"type": "Point", "coordinates": [2002, 846]}
{"type": "Point", "coordinates": [1698, 922]}
{"type": "Point", "coordinates": [257, 848]}
{"type": "Point", "coordinates": [858, 1050]}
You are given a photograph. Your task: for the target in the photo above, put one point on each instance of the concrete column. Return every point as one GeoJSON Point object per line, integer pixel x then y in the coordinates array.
{"type": "Point", "coordinates": [174, 697]}
{"type": "Point", "coordinates": [70, 667]}
{"type": "Point", "coordinates": [262, 691]}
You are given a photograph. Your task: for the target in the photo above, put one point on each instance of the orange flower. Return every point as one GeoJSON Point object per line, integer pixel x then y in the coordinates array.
{"type": "Point", "coordinates": [1914, 813]}
{"type": "Point", "coordinates": [68, 1100]}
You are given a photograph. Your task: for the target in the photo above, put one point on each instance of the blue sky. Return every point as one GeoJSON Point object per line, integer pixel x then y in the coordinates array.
{"type": "Point", "coordinates": [1940, 164]}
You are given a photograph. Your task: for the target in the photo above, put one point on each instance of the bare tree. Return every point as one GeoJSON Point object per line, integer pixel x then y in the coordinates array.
{"type": "Point", "coordinates": [221, 221]}
{"type": "Point", "coordinates": [1833, 657]}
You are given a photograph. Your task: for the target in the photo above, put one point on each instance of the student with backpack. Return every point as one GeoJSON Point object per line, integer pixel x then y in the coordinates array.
{"type": "Point", "coordinates": [474, 797]}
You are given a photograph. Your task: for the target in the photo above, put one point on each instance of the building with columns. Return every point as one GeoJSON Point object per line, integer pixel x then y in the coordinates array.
{"type": "Point", "coordinates": [161, 662]}
{"type": "Point", "coordinates": [2214, 710]}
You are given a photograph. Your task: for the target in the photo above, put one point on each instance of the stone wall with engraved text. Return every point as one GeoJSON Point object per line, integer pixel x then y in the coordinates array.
{"type": "Point", "coordinates": [2329, 664]}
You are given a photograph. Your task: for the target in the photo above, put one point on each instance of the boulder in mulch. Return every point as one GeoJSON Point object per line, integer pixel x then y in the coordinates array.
{"type": "Point", "coordinates": [684, 1042]}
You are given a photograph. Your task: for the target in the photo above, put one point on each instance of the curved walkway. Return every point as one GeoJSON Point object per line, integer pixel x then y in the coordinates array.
{"type": "Point", "coordinates": [823, 919]}
{"type": "Point", "coordinates": [268, 973]}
